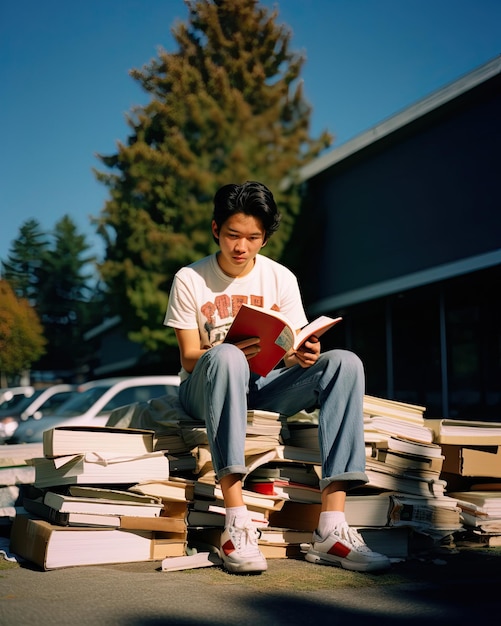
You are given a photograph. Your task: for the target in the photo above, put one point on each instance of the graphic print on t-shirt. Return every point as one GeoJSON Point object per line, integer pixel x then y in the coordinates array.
{"type": "Point", "coordinates": [220, 313]}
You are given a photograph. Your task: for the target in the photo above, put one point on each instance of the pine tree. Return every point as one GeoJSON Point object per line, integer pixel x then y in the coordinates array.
{"type": "Point", "coordinates": [24, 261]}
{"type": "Point", "coordinates": [63, 296]}
{"type": "Point", "coordinates": [228, 106]}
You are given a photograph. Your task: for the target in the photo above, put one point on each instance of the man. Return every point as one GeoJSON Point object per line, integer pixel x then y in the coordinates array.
{"type": "Point", "coordinates": [218, 387]}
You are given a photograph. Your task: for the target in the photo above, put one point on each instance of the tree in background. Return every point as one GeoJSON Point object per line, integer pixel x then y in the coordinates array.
{"type": "Point", "coordinates": [50, 272]}
{"type": "Point", "coordinates": [228, 106]}
{"type": "Point", "coordinates": [23, 265]}
{"type": "Point", "coordinates": [21, 334]}
{"type": "Point", "coordinates": [63, 297]}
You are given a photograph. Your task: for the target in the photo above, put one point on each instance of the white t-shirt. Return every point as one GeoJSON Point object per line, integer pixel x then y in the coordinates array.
{"type": "Point", "coordinates": [203, 297]}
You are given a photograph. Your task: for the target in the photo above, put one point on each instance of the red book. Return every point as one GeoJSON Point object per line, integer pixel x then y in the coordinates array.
{"type": "Point", "coordinates": [276, 333]}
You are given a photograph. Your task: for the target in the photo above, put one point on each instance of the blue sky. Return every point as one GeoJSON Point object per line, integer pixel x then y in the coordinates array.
{"type": "Point", "coordinates": [65, 87]}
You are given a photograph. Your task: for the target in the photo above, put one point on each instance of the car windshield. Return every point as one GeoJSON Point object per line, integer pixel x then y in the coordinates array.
{"type": "Point", "coordinates": [19, 401]}
{"type": "Point", "coordinates": [80, 402]}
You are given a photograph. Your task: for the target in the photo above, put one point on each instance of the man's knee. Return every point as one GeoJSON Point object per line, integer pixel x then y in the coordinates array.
{"type": "Point", "coordinates": [228, 356]}
{"type": "Point", "coordinates": [345, 360]}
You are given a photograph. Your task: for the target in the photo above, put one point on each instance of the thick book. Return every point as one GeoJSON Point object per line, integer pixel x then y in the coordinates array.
{"type": "Point", "coordinates": [408, 462]}
{"type": "Point", "coordinates": [464, 432]}
{"type": "Point", "coordinates": [276, 333]}
{"type": "Point", "coordinates": [487, 502]}
{"type": "Point", "coordinates": [159, 524]}
{"type": "Point", "coordinates": [78, 504]}
{"type": "Point", "coordinates": [406, 446]}
{"type": "Point", "coordinates": [66, 440]}
{"type": "Point", "coordinates": [52, 547]}
{"type": "Point", "coordinates": [425, 513]}
{"type": "Point", "coordinates": [38, 508]}
{"type": "Point", "coordinates": [85, 491]}
{"type": "Point", "coordinates": [393, 408]}
{"type": "Point", "coordinates": [303, 435]}
{"type": "Point", "coordinates": [176, 488]}
{"type": "Point", "coordinates": [94, 469]}
{"type": "Point", "coordinates": [472, 460]}
{"type": "Point", "coordinates": [19, 454]}
{"type": "Point", "coordinates": [19, 475]}
{"type": "Point", "coordinates": [382, 477]}
{"type": "Point", "coordinates": [400, 428]}
{"type": "Point", "coordinates": [360, 510]}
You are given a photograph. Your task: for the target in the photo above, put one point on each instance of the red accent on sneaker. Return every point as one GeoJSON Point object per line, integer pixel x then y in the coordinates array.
{"type": "Point", "coordinates": [228, 547]}
{"type": "Point", "coordinates": [339, 549]}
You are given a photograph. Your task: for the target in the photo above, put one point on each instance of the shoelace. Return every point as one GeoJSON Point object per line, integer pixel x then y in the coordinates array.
{"type": "Point", "coordinates": [248, 535]}
{"type": "Point", "coordinates": [352, 536]}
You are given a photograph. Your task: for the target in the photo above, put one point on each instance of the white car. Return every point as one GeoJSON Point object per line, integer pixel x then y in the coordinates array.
{"type": "Point", "coordinates": [31, 404]}
{"type": "Point", "coordinates": [10, 396]}
{"type": "Point", "coordinates": [94, 403]}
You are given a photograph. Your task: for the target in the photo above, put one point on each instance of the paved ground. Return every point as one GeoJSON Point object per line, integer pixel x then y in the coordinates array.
{"type": "Point", "coordinates": [455, 586]}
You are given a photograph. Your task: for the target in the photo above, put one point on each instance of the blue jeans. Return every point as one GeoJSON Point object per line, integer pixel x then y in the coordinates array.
{"type": "Point", "coordinates": [221, 388]}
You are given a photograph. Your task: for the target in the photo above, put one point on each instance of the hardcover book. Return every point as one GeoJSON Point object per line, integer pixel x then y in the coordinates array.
{"type": "Point", "coordinates": [66, 440]}
{"type": "Point", "coordinates": [78, 504]}
{"type": "Point", "coordinates": [52, 547]}
{"type": "Point", "coordinates": [393, 408]}
{"type": "Point", "coordinates": [382, 477]}
{"type": "Point", "coordinates": [94, 469]}
{"type": "Point", "coordinates": [360, 510]}
{"type": "Point", "coordinates": [469, 460]}
{"type": "Point", "coordinates": [400, 428]}
{"type": "Point", "coordinates": [276, 333]}
{"type": "Point", "coordinates": [406, 446]}
{"type": "Point", "coordinates": [465, 432]}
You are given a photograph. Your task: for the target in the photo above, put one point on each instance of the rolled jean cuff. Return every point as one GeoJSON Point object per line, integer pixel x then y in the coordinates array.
{"type": "Point", "coordinates": [231, 469]}
{"type": "Point", "coordinates": [352, 480]}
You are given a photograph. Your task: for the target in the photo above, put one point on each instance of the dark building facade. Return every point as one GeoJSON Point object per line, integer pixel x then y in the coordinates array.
{"type": "Point", "coordinates": [400, 233]}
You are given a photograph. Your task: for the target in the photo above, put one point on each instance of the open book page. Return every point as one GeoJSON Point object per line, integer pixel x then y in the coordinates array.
{"type": "Point", "coordinates": [277, 334]}
{"type": "Point", "coordinates": [318, 327]}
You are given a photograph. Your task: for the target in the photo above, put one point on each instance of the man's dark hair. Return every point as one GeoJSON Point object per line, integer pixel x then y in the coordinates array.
{"type": "Point", "coordinates": [250, 198]}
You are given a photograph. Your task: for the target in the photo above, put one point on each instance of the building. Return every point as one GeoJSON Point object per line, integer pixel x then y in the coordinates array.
{"type": "Point", "coordinates": [401, 234]}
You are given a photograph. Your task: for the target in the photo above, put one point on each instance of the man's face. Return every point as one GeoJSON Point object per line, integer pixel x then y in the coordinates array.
{"type": "Point", "coordinates": [241, 237]}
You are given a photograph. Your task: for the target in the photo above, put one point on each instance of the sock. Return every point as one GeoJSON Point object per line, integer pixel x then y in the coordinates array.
{"type": "Point", "coordinates": [328, 521]}
{"type": "Point", "coordinates": [236, 513]}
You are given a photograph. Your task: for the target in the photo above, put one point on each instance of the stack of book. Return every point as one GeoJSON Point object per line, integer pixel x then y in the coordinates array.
{"type": "Point", "coordinates": [407, 466]}
{"type": "Point", "coordinates": [472, 469]}
{"type": "Point", "coordinates": [265, 427]}
{"type": "Point", "coordinates": [15, 474]}
{"type": "Point", "coordinates": [87, 505]}
{"type": "Point", "coordinates": [481, 515]}
{"type": "Point", "coordinates": [417, 470]}
{"type": "Point", "coordinates": [390, 418]}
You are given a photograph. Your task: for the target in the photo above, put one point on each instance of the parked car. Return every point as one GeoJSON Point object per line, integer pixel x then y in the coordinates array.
{"type": "Point", "coordinates": [94, 403]}
{"type": "Point", "coordinates": [11, 396]}
{"type": "Point", "coordinates": [32, 405]}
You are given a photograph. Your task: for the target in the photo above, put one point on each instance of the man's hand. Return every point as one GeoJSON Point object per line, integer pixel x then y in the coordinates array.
{"type": "Point", "coordinates": [306, 356]}
{"type": "Point", "coordinates": [250, 347]}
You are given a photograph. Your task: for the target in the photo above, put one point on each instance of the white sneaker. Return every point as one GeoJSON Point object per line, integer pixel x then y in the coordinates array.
{"type": "Point", "coordinates": [345, 548]}
{"type": "Point", "coordinates": [239, 549]}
